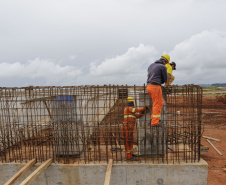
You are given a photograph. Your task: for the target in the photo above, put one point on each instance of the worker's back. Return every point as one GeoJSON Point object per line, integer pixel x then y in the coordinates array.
{"type": "Point", "coordinates": [157, 73]}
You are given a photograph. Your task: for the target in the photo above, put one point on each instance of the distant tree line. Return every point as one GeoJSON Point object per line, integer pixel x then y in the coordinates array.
{"type": "Point", "coordinates": [219, 85]}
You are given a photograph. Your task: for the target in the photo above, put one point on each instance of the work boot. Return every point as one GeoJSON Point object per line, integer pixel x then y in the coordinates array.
{"type": "Point", "coordinates": [132, 159]}
{"type": "Point", "coordinates": [160, 125]}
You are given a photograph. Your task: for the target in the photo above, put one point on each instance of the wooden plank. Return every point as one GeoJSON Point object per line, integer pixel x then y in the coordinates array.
{"type": "Point", "coordinates": [204, 147]}
{"type": "Point", "coordinates": [203, 152]}
{"type": "Point", "coordinates": [20, 173]}
{"type": "Point", "coordinates": [47, 109]}
{"type": "Point", "coordinates": [43, 121]}
{"type": "Point", "coordinates": [211, 138]}
{"type": "Point", "coordinates": [39, 170]}
{"type": "Point", "coordinates": [214, 147]}
{"type": "Point", "coordinates": [108, 173]}
{"type": "Point", "coordinates": [179, 147]}
{"type": "Point", "coordinates": [118, 147]}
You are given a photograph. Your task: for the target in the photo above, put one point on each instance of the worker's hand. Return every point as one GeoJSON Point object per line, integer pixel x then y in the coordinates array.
{"type": "Point", "coordinates": [166, 86]}
{"type": "Point", "coordinates": [148, 106]}
{"type": "Point", "coordinates": [168, 89]}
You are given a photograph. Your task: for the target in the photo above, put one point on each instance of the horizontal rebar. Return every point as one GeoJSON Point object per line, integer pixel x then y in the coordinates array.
{"type": "Point", "coordinates": [85, 124]}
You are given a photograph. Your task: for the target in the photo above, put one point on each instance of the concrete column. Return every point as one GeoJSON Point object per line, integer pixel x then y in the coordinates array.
{"type": "Point", "coordinates": [152, 140]}
{"type": "Point", "coordinates": [67, 126]}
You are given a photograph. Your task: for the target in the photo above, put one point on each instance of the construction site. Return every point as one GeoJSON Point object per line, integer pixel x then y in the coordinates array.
{"type": "Point", "coordinates": [74, 135]}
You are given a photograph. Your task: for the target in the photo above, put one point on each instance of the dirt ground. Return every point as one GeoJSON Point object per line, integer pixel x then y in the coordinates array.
{"type": "Point", "coordinates": [214, 121]}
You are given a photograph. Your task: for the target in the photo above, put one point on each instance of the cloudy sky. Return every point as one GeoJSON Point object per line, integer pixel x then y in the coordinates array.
{"type": "Point", "coordinates": [96, 42]}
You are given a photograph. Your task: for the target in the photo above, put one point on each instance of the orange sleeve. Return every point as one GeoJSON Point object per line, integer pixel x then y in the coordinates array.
{"type": "Point", "coordinates": [132, 111]}
{"type": "Point", "coordinates": [139, 111]}
{"type": "Point", "coordinates": [138, 115]}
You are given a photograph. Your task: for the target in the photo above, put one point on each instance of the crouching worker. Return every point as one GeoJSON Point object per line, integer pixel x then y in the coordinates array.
{"type": "Point", "coordinates": [173, 65]}
{"type": "Point", "coordinates": [130, 116]}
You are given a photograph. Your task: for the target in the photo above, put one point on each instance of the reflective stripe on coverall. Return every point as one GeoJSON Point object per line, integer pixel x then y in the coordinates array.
{"type": "Point", "coordinates": [155, 92]}
{"type": "Point", "coordinates": [130, 115]}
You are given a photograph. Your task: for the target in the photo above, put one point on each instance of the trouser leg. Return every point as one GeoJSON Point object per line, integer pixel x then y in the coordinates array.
{"type": "Point", "coordinates": [129, 143]}
{"type": "Point", "coordinates": [155, 93]}
{"type": "Point", "coordinates": [123, 131]}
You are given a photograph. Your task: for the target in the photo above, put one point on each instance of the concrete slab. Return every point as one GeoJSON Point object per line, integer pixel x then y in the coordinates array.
{"type": "Point", "coordinates": [122, 174]}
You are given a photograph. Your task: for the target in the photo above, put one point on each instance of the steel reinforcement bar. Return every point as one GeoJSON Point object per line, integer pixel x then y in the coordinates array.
{"type": "Point", "coordinates": [84, 124]}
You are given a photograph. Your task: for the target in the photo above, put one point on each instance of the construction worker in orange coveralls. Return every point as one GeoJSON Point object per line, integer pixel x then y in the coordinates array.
{"type": "Point", "coordinates": [157, 75]}
{"type": "Point", "coordinates": [130, 116]}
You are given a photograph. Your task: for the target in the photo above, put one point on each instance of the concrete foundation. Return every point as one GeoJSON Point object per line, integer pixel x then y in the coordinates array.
{"type": "Point", "coordinates": [122, 174]}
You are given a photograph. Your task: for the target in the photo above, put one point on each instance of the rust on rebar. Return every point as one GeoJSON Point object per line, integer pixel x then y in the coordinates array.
{"type": "Point", "coordinates": [84, 124]}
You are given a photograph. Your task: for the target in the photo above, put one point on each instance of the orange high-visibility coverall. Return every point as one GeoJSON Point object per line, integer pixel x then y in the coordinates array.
{"type": "Point", "coordinates": [130, 116]}
{"type": "Point", "coordinates": [155, 92]}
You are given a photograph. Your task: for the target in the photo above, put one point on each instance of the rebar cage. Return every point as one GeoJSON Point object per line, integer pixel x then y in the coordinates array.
{"type": "Point", "coordinates": [84, 124]}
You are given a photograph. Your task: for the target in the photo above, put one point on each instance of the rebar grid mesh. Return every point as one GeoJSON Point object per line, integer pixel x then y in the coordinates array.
{"type": "Point", "coordinates": [83, 124]}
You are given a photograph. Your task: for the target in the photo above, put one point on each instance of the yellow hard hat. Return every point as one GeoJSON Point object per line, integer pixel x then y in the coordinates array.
{"type": "Point", "coordinates": [167, 57]}
{"type": "Point", "coordinates": [130, 99]}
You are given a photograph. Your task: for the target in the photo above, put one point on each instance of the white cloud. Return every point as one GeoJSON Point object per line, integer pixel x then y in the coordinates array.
{"type": "Point", "coordinates": [201, 58]}
{"type": "Point", "coordinates": [75, 33]}
{"type": "Point", "coordinates": [129, 68]}
{"type": "Point", "coordinates": [48, 70]}
{"type": "Point", "coordinates": [129, 63]}
{"type": "Point", "coordinates": [72, 57]}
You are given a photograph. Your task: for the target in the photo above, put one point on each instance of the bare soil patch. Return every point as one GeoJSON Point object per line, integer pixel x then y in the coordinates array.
{"type": "Point", "coordinates": [214, 121]}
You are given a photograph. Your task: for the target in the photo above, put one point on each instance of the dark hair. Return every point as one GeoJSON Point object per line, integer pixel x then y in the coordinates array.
{"type": "Point", "coordinates": [173, 64]}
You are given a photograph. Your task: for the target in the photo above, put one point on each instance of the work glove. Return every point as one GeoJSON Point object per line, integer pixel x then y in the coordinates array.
{"type": "Point", "coordinates": [166, 87]}
{"type": "Point", "coordinates": [148, 106]}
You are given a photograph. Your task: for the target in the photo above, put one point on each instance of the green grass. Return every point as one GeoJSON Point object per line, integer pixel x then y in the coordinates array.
{"type": "Point", "coordinates": [206, 89]}
{"type": "Point", "coordinates": [216, 94]}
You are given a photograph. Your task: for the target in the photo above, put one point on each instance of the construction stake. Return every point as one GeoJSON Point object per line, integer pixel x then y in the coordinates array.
{"type": "Point", "coordinates": [214, 147]}
{"type": "Point", "coordinates": [108, 173]}
{"type": "Point", "coordinates": [39, 170]}
{"type": "Point", "coordinates": [20, 173]}
{"type": "Point", "coordinates": [211, 138]}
